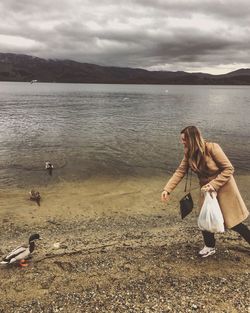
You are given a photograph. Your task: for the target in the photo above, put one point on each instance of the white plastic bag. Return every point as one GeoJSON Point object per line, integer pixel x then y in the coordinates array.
{"type": "Point", "coordinates": [211, 218]}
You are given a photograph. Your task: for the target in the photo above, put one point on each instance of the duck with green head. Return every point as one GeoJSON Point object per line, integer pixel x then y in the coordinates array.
{"type": "Point", "coordinates": [21, 253]}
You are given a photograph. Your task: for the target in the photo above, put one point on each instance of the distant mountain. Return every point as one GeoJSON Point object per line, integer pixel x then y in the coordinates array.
{"type": "Point", "coordinates": [19, 67]}
{"type": "Point", "coordinates": [237, 73]}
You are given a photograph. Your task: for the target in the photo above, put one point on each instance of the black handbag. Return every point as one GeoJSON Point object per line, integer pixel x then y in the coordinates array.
{"type": "Point", "coordinates": [186, 203]}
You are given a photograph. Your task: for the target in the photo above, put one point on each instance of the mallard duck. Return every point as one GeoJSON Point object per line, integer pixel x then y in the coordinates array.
{"type": "Point", "coordinates": [35, 196]}
{"type": "Point", "coordinates": [21, 253]}
{"type": "Point", "coordinates": [49, 167]}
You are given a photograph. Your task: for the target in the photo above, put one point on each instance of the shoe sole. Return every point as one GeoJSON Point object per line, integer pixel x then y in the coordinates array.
{"type": "Point", "coordinates": [208, 254]}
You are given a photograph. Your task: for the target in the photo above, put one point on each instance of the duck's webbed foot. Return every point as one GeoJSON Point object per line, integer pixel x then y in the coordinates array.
{"type": "Point", "coordinates": [23, 263]}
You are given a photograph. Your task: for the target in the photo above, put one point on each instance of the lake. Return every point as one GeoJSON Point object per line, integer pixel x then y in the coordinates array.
{"type": "Point", "coordinates": [89, 130]}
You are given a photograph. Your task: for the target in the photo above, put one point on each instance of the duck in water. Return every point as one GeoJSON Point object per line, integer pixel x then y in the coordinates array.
{"type": "Point", "coordinates": [49, 167]}
{"type": "Point", "coordinates": [21, 253]}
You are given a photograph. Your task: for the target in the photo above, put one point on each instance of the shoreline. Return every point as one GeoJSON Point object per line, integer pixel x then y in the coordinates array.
{"type": "Point", "coordinates": [101, 195]}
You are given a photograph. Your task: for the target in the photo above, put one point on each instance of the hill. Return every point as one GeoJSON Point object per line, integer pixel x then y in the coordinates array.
{"type": "Point", "coordinates": [19, 67]}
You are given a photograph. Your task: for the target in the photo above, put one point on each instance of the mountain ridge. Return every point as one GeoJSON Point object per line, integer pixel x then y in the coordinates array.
{"type": "Point", "coordinates": [21, 67]}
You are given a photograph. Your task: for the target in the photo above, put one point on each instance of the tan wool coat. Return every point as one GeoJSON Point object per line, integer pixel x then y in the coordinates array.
{"type": "Point", "coordinates": [219, 173]}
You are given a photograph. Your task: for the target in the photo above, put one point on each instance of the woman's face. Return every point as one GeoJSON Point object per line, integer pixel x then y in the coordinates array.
{"type": "Point", "coordinates": [183, 141]}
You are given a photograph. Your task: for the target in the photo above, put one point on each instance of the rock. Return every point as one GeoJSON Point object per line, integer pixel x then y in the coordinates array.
{"type": "Point", "coordinates": [56, 245]}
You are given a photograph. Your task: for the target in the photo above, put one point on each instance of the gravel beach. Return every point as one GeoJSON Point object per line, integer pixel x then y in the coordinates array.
{"type": "Point", "coordinates": [112, 246]}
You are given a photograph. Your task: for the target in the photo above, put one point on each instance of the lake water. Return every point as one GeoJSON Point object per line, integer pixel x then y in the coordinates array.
{"type": "Point", "coordinates": [93, 130]}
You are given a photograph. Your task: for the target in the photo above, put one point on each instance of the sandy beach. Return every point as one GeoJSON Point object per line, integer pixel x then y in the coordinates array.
{"type": "Point", "coordinates": [110, 245]}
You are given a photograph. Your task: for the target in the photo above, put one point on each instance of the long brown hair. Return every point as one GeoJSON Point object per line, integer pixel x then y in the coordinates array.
{"type": "Point", "coordinates": [196, 146]}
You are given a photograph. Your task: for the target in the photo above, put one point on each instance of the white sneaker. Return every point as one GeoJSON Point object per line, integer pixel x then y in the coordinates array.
{"type": "Point", "coordinates": [206, 251]}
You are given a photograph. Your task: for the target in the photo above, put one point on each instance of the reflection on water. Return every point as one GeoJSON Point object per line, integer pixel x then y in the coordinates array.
{"type": "Point", "coordinates": [88, 129]}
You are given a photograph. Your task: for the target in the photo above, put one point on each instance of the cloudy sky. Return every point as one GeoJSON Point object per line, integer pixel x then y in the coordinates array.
{"type": "Point", "coordinates": [193, 35]}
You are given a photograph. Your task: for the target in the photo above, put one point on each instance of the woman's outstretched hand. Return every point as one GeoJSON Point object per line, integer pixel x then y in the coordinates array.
{"type": "Point", "coordinates": [165, 196]}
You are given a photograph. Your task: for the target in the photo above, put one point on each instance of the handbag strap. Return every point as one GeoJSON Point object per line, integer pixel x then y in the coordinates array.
{"type": "Point", "coordinates": [190, 180]}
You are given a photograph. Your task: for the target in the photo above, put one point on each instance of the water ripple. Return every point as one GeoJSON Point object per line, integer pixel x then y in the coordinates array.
{"type": "Point", "coordinates": [115, 129]}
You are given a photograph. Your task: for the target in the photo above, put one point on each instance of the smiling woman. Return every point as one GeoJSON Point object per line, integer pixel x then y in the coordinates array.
{"type": "Point", "coordinates": [215, 173]}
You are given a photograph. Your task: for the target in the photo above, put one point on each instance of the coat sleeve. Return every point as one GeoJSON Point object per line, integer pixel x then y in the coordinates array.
{"type": "Point", "coordinates": [223, 163]}
{"type": "Point", "coordinates": [178, 175]}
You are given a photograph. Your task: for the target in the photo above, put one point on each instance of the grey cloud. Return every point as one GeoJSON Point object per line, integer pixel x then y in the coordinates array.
{"type": "Point", "coordinates": [28, 7]}
{"type": "Point", "coordinates": [130, 33]}
{"type": "Point", "coordinates": [221, 8]}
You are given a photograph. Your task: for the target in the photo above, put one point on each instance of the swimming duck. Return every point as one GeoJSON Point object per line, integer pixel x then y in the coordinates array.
{"type": "Point", "coordinates": [35, 196]}
{"type": "Point", "coordinates": [21, 253]}
{"type": "Point", "coordinates": [49, 167]}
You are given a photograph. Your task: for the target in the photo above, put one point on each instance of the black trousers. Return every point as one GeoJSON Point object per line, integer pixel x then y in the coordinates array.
{"type": "Point", "coordinates": [242, 229]}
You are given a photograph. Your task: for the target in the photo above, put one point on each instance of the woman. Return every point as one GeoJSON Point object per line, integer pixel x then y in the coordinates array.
{"type": "Point", "coordinates": [215, 173]}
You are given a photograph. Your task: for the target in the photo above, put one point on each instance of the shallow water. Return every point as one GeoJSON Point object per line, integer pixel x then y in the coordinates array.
{"type": "Point", "coordinates": [93, 130]}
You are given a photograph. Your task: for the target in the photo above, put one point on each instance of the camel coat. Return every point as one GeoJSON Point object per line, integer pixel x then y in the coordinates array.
{"type": "Point", "coordinates": [219, 173]}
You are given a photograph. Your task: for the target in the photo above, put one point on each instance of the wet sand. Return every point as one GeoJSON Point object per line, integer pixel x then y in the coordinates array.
{"type": "Point", "coordinates": [110, 245]}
